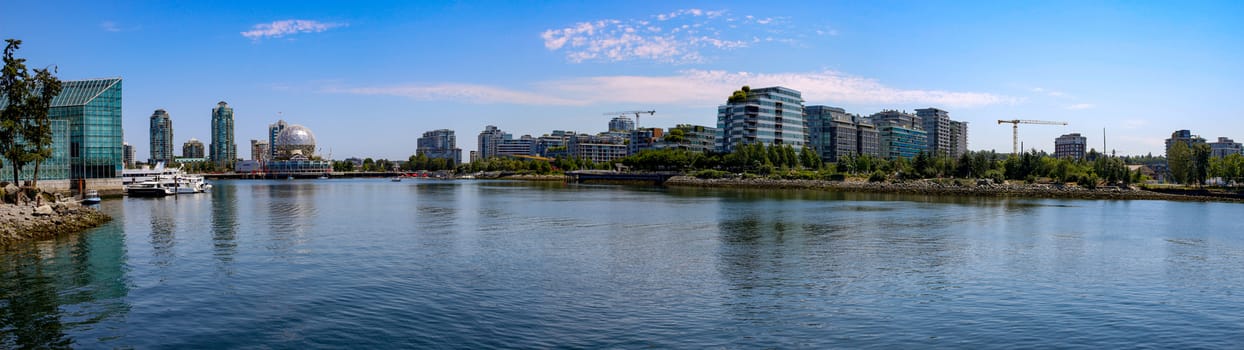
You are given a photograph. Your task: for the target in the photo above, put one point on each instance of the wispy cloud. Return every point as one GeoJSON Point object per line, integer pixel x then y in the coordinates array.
{"type": "Point", "coordinates": [279, 29]}
{"type": "Point", "coordinates": [682, 36]}
{"type": "Point", "coordinates": [688, 88]}
{"type": "Point", "coordinates": [1048, 92]}
{"type": "Point", "coordinates": [110, 26]}
{"type": "Point", "coordinates": [1081, 106]}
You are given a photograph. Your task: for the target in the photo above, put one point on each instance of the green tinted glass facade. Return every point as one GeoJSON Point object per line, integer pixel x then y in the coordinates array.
{"type": "Point", "coordinates": [86, 132]}
{"type": "Point", "coordinates": [55, 168]}
{"type": "Point", "coordinates": [93, 109]}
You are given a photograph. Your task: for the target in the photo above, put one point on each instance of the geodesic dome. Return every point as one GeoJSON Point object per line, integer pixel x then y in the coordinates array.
{"type": "Point", "coordinates": [295, 140]}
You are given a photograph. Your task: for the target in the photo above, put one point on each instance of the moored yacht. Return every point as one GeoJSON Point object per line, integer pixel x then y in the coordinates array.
{"type": "Point", "coordinates": [151, 189]}
{"type": "Point", "coordinates": [172, 181]}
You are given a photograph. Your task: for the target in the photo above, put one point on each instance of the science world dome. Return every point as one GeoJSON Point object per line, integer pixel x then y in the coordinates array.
{"type": "Point", "coordinates": [295, 140]}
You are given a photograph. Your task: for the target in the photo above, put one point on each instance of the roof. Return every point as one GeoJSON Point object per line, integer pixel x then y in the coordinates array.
{"type": "Point", "coordinates": [81, 92]}
{"type": "Point", "coordinates": [77, 92]}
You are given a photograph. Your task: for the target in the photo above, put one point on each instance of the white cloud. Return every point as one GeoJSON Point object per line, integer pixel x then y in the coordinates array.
{"type": "Point", "coordinates": [695, 88]}
{"type": "Point", "coordinates": [1048, 92]}
{"type": "Point", "coordinates": [682, 36]}
{"type": "Point", "coordinates": [1081, 106]}
{"type": "Point", "coordinates": [279, 29]}
{"type": "Point", "coordinates": [110, 26]}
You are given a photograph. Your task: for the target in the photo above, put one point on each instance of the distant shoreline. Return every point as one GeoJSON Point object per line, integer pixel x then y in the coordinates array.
{"type": "Point", "coordinates": [948, 188]}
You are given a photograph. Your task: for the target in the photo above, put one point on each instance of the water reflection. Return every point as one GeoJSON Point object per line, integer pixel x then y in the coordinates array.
{"type": "Point", "coordinates": [224, 226]}
{"type": "Point", "coordinates": [71, 283]}
{"type": "Point", "coordinates": [163, 236]}
{"type": "Point", "coordinates": [291, 212]}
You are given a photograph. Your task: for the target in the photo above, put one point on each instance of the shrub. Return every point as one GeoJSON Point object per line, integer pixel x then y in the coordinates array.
{"type": "Point", "coordinates": [877, 176]}
{"type": "Point", "coordinates": [1088, 181]}
{"type": "Point", "coordinates": [835, 177]}
{"type": "Point", "coordinates": [798, 175]}
{"type": "Point", "coordinates": [995, 175]}
{"type": "Point", "coordinates": [711, 174]}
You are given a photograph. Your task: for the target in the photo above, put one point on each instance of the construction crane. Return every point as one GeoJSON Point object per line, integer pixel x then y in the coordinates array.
{"type": "Point", "coordinates": [636, 113]}
{"type": "Point", "coordinates": [1015, 129]}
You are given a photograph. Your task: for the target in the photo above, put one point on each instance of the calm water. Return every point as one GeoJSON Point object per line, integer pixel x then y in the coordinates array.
{"type": "Point", "coordinates": [423, 264]}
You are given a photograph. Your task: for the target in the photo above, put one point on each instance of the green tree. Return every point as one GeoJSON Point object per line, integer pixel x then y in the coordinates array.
{"type": "Point", "coordinates": [676, 136]}
{"type": "Point", "coordinates": [15, 85]}
{"type": "Point", "coordinates": [39, 131]}
{"type": "Point", "coordinates": [1233, 168]}
{"type": "Point", "coordinates": [1200, 163]}
{"type": "Point", "coordinates": [809, 159]}
{"type": "Point", "coordinates": [1179, 162]}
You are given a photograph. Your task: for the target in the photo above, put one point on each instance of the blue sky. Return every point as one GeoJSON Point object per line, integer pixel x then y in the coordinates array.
{"type": "Point", "coordinates": [369, 77]}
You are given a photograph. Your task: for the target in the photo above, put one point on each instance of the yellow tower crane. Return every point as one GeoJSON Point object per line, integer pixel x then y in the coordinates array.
{"type": "Point", "coordinates": [1015, 130]}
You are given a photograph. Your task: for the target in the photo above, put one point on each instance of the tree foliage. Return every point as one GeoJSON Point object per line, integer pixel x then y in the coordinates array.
{"type": "Point", "coordinates": [1179, 162]}
{"type": "Point", "coordinates": [25, 114]}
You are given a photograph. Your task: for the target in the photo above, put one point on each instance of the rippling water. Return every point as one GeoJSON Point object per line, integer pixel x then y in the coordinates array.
{"type": "Point", "coordinates": [429, 264]}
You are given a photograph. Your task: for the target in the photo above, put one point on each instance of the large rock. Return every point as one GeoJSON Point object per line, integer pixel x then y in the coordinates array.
{"type": "Point", "coordinates": [44, 210]}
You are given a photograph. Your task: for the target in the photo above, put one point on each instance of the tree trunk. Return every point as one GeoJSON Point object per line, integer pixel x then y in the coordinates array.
{"type": "Point", "coordinates": [34, 181]}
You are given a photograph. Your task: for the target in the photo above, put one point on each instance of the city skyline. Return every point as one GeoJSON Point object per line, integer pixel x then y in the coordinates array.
{"type": "Point", "coordinates": [1140, 71]}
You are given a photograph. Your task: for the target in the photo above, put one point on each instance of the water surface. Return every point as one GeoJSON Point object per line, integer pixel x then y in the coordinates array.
{"type": "Point", "coordinates": [371, 263]}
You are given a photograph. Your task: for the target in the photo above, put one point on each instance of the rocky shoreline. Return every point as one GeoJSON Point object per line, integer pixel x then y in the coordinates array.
{"type": "Point", "coordinates": [25, 222]}
{"type": "Point", "coordinates": [946, 188]}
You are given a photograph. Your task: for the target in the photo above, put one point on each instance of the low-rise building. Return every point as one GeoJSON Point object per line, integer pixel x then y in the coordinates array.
{"type": "Point", "coordinates": [695, 138]}
{"type": "Point", "coordinates": [1225, 147]}
{"type": "Point", "coordinates": [597, 148]}
{"type": "Point", "coordinates": [644, 139]}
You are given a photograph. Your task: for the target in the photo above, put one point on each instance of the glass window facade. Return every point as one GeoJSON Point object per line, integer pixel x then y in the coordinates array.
{"type": "Point", "coordinates": [86, 132]}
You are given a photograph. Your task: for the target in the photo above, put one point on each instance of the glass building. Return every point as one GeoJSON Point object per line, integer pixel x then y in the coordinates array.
{"type": "Point", "coordinates": [161, 138]}
{"type": "Point", "coordinates": [223, 150]}
{"type": "Point", "coordinates": [900, 134]}
{"type": "Point", "coordinates": [192, 148]}
{"type": "Point", "coordinates": [274, 130]}
{"type": "Point", "coordinates": [834, 134]}
{"type": "Point", "coordinates": [86, 134]}
{"type": "Point", "coordinates": [440, 143]}
{"type": "Point", "coordinates": [770, 116]}
{"type": "Point", "coordinates": [621, 123]}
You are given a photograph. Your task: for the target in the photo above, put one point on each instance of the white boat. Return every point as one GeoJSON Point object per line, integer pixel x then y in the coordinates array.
{"type": "Point", "coordinates": [91, 197]}
{"type": "Point", "coordinates": [175, 180]}
{"type": "Point", "coordinates": [151, 189]}
{"type": "Point", "coordinates": [396, 179]}
{"type": "Point", "coordinates": [134, 176]}
{"type": "Point", "coordinates": [190, 184]}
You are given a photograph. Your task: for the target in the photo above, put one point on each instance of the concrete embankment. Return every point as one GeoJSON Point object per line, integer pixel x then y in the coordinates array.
{"type": "Point", "coordinates": [949, 188]}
